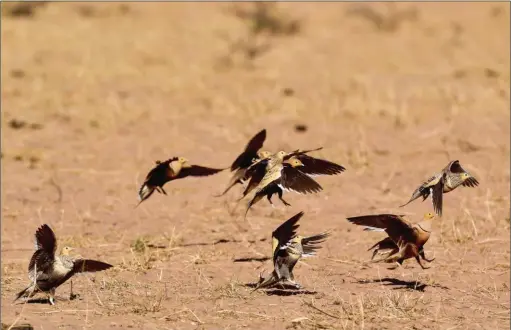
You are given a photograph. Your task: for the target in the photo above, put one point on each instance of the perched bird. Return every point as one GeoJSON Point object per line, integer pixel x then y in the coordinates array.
{"type": "Point", "coordinates": [405, 240]}
{"type": "Point", "coordinates": [279, 176]}
{"type": "Point", "coordinates": [251, 154]}
{"type": "Point", "coordinates": [48, 271]}
{"type": "Point", "coordinates": [451, 177]}
{"type": "Point", "coordinates": [171, 169]}
{"type": "Point", "coordinates": [287, 249]}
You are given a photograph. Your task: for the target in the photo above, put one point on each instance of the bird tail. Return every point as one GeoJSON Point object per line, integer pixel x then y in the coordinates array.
{"type": "Point", "coordinates": [416, 194]}
{"type": "Point", "coordinates": [311, 243]}
{"type": "Point", "coordinates": [27, 292]}
{"type": "Point", "coordinates": [144, 193]}
{"type": "Point", "coordinates": [254, 200]}
{"type": "Point", "coordinates": [265, 282]}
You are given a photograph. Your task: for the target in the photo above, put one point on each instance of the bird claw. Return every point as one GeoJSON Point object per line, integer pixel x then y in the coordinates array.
{"type": "Point", "coordinates": [429, 260]}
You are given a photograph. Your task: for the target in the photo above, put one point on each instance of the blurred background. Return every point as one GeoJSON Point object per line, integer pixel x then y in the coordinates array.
{"type": "Point", "coordinates": [94, 93]}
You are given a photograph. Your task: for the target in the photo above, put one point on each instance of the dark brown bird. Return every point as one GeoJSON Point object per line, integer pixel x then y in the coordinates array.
{"type": "Point", "coordinates": [47, 271]}
{"type": "Point", "coordinates": [251, 154]}
{"type": "Point", "coordinates": [451, 177]}
{"type": "Point", "coordinates": [287, 249]}
{"type": "Point", "coordinates": [281, 176]}
{"type": "Point", "coordinates": [405, 240]}
{"type": "Point", "coordinates": [171, 169]}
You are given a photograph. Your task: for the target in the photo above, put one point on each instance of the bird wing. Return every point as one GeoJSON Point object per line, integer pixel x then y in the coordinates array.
{"type": "Point", "coordinates": [40, 262]}
{"type": "Point", "coordinates": [244, 160]}
{"type": "Point", "coordinates": [311, 243]}
{"type": "Point", "coordinates": [159, 172]}
{"type": "Point", "coordinates": [256, 175]}
{"type": "Point", "coordinates": [299, 152]}
{"type": "Point", "coordinates": [455, 167]}
{"type": "Point", "coordinates": [87, 265]}
{"type": "Point", "coordinates": [316, 166]}
{"type": "Point", "coordinates": [292, 179]}
{"type": "Point", "coordinates": [395, 225]}
{"type": "Point", "coordinates": [45, 239]}
{"type": "Point", "coordinates": [438, 191]}
{"type": "Point", "coordinates": [196, 170]}
{"type": "Point", "coordinates": [284, 234]}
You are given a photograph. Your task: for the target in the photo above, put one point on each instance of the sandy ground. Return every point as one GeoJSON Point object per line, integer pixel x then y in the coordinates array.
{"type": "Point", "coordinates": [93, 94]}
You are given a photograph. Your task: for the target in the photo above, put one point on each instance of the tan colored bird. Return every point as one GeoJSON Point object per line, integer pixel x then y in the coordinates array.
{"type": "Point", "coordinates": [169, 170]}
{"type": "Point", "coordinates": [47, 271]}
{"type": "Point", "coordinates": [251, 154]}
{"type": "Point", "coordinates": [287, 249]}
{"type": "Point", "coordinates": [281, 176]}
{"type": "Point", "coordinates": [405, 240]}
{"type": "Point", "coordinates": [451, 177]}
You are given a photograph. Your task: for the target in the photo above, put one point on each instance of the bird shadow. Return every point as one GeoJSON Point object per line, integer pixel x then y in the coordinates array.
{"type": "Point", "coordinates": [400, 284]}
{"type": "Point", "coordinates": [220, 241]}
{"type": "Point", "coordinates": [282, 290]}
{"type": "Point", "coordinates": [249, 259]}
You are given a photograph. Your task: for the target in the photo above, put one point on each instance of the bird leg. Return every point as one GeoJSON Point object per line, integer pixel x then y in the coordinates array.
{"type": "Point", "coordinates": [72, 296]}
{"type": "Point", "coordinates": [420, 263]}
{"type": "Point", "coordinates": [51, 296]}
{"type": "Point", "coordinates": [423, 256]}
{"type": "Point", "coordinates": [269, 200]}
{"type": "Point", "coordinates": [280, 193]}
{"type": "Point", "coordinates": [163, 191]}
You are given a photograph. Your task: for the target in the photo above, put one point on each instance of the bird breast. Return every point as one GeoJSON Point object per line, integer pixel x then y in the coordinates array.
{"type": "Point", "coordinates": [61, 267]}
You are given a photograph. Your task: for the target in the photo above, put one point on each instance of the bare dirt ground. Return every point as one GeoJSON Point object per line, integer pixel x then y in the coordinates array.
{"type": "Point", "coordinates": [93, 94]}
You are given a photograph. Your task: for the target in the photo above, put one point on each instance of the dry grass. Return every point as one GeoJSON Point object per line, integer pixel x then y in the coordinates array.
{"type": "Point", "coordinates": [93, 94]}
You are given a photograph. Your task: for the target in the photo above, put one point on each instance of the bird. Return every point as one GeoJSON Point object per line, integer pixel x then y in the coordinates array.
{"type": "Point", "coordinates": [171, 169]}
{"type": "Point", "coordinates": [451, 177]}
{"type": "Point", "coordinates": [251, 154]}
{"type": "Point", "coordinates": [405, 240]}
{"type": "Point", "coordinates": [287, 249]}
{"type": "Point", "coordinates": [279, 176]}
{"type": "Point", "coordinates": [47, 271]}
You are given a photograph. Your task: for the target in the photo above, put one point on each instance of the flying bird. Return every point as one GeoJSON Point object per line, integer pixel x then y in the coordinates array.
{"type": "Point", "coordinates": [451, 177]}
{"type": "Point", "coordinates": [47, 271]}
{"type": "Point", "coordinates": [171, 169]}
{"type": "Point", "coordinates": [405, 240]}
{"type": "Point", "coordinates": [251, 154]}
{"type": "Point", "coordinates": [279, 176]}
{"type": "Point", "coordinates": [287, 249]}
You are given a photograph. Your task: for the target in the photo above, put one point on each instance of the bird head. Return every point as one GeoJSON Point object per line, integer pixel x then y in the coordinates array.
{"type": "Point", "coordinates": [465, 176]}
{"type": "Point", "coordinates": [182, 160]}
{"type": "Point", "coordinates": [429, 216]}
{"type": "Point", "coordinates": [281, 154]}
{"type": "Point", "coordinates": [263, 154]}
{"type": "Point", "coordinates": [294, 162]}
{"type": "Point", "coordinates": [65, 250]}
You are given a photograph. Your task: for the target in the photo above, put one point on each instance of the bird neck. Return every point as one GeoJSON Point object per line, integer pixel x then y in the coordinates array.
{"type": "Point", "coordinates": [425, 225]}
{"type": "Point", "coordinates": [176, 167]}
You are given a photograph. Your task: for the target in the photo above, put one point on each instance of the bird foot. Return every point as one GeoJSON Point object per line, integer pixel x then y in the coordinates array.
{"type": "Point", "coordinates": [429, 260]}
{"type": "Point", "coordinates": [73, 296]}
{"type": "Point", "coordinates": [51, 300]}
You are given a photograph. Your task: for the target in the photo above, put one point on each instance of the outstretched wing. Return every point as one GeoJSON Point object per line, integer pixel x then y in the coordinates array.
{"type": "Point", "coordinates": [299, 152]}
{"type": "Point", "coordinates": [316, 166]}
{"type": "Point", "coordinates": [395, 225]}
{"type": "Point", "coordinates": [46, 244]}
{"type": "Point", "coordinates": [245, 159]}
{"type": "Point", "coordinates": [292, 179]}
{"type": "Point", "coordinates": [88, 266]}
{"type": "Point", "coordinates": [196, 170]}
{"type": "Point", "coordinates": [284, 234]}
{"type": "Point", "coordinates": [311, 243]}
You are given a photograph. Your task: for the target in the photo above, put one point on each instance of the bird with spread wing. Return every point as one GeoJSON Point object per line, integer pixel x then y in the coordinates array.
{"type": "Point", "coordinates": [405, 240]}
{"type": "Point", "coordinates": [287, 249]}
{"type": "Point", "coordinates": [451, 177]}
{"type": "Point", "coordinates": [172, 169]}
{"type": "Point", "coordinates": [47, 270]}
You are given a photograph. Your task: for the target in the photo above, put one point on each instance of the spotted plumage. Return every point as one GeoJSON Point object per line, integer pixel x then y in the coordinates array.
{"type": "Point", "coordinates": [451, 177]}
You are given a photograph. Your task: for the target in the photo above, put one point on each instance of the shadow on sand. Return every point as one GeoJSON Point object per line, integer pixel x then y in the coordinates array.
{"type": "Point", "coordinates": [282, 290]}
{"type": "Point", "coordinates": [400, 284]}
